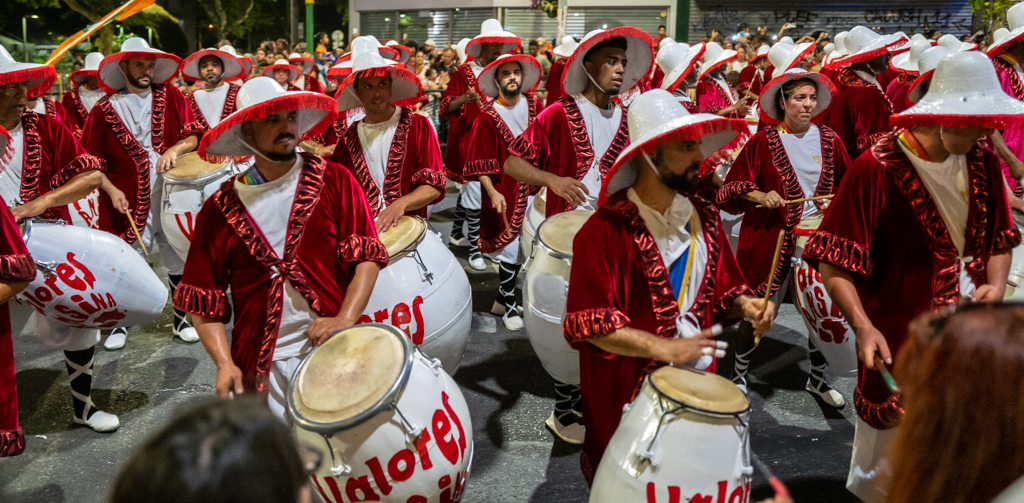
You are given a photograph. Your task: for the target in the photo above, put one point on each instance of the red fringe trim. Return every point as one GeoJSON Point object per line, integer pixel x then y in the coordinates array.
{"type": "Point", "coordinates": [396, 158]}
{"type": "Point", "coordinates": [357, 248]}
{"type": "Point", "coordinates": [82, 164]}
{"type": "Point", "coordinates": [865, 142]}
{"type": "Point", "coordinates": [202, 302]}
{"type": "Point", "coordinates": [230, 101]}
{"type": "Point", "coordinates": [881, 416]}
{"type": "Point", "coordinates": [840, 252]}
{"type": "Point", "coordinates": [12, 443]}
{"type": "Point", "coordinates": [480, 167]}
{"type": "Point", "coordinates": [733, 190]}
{"type": "Point", "coordinates": [193, 106]}
{"type": "Point", "coordinates": [859, 58]}
{"type": "Point", "coordinates": [8, 153]}
{"type": "Point", "coordinates": [432, 177]}
{"type": "Point", "coordinates": [159, 111]}
{"type": "Point", "coordinates": [521, 147]}
{"type": "Point", "coordinates": [19, 267]}
{"type": "Point", "coordinates": [726, 301]}
{"type": "Point", "coordinates": [79, 107]}
{"type": "Point", "coordinates": [45, 72]}
{"type": "Point", "coordinates": [582, 326]}
{"type": "Point", "coordinates": [359, 168]}
{"type": "Point", "coordinates": [986, 121]}
{"type": "Point", "coordinates": [1007, 69]}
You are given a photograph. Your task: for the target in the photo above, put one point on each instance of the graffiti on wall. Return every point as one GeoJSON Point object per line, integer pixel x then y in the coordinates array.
{"type": "Point", "coordinates": [955, 19]}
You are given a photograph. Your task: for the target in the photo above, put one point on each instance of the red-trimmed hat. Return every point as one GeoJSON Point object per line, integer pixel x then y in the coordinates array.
{"type": "Point", "coordinates": [38, 78]}
{"type": "Point", "coordinates": [306, 64]}
{"type": "Point", "coordinates": [964, 92]}
{"type": "Point", "coordinates": [768, 102]}
{"type": "Point", "coordinates": [257, 99]}
{"type": "Point", "coordinates": [925, 68]}
{"type": "Point", "coordinates": [863, 44]}
{"type": "Point", "coordinates": [906, 62]}
{"type": "Point", "coordinates": [1015, 22]}
{"type": "Point", "coordinates": [762, 52]}
{"type": "Point", "coordinates": [657, 118]}
{"type": "Point", "coordinates": [367, 62]}
{"type": "Point", "coordinates": [833, 59]}
{"type": "Point", "coordinates": [111, 77]}
{"type": "Point", "coordinates": [404, 53]}
{"type": "Point", "coordinates": [492, 32]}
{"type": "Point", "coordinates": [677, 61]}
{"type": "Point", "coordinates": [460, 51]}
{"type": "Point", "coordinates": [566, 48]}
{"type": "Point", "coordinates": [92, 67]}
{"type": "Point", "coordinates": [955, 45]}
{"type": "Point", "coordinates": [639, 54]}
{"type": "Point", "coordinates": [339, 71]}
{"type": "Point", "coordinates": [281, 64]}
{"type": "Point", "coordinates": [786, 56]}
{"type": "Point", "coordinates": [247, 64]}
{"type": "Point", "coordinates": [228, 59]}
{"type": "Point", "coordinates": [531, 74]}
{"type": "Point", "coordinates": [714, 57]}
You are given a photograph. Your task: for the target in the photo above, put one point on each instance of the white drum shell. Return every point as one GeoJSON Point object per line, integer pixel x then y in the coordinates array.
{"type": "Point", "coordinates": [385, 437]}
{"type": "Point", "coordinates": [534, 217]}
{"type": "Point", "coordinates": [181, 203]}
{"type": "Point", "coordinates": [85, 212]}
{"type": "Point", "coordinates": [547, 286]}
{"type": "Point", "coordinates": [693, 452]}
{"type": "Point", "coordinates": [99, 281]}
{"type": "Point", "coordinates": [826, 327]}
{"type": "Point", "coordinates": [435, 314]}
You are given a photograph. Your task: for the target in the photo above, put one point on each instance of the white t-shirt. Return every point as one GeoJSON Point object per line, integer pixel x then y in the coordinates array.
{"type": "Point", "coordinates": [804, 152]}
{"type": "Point", "coordinates": [269, 205]}
{"type": "Point", "coordinates": [39, 107]}
{"type": "Point", "coordinates": [515, 117]}
{"type": "Point", "coordinates": [376, 142]}
{"type": "Point", "coordinates": [211, 102]}
{"type": "Point", "coordinates": [602, 125]}
{"type": "Point", "coordinates": [89, 97]}
{"type": "Point", "coordinates": [136, 112]}
{"type": "Point", "coordinates": [10, 176]}
{"type": "Point", "coordinates": [300, 82]}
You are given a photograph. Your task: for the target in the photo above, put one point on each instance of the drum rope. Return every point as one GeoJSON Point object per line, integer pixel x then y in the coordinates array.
{"type": "Point", "coordinates": [413, 431]}
{"type": "Point", "coordinates": [336, 468]}
{"type": "Point", "coordinates": [415, 254]}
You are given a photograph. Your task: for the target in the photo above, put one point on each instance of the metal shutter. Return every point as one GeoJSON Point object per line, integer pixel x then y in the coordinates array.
{"type": "Point", "coordinates": [909, 16]}
{"type": "Point", "coordinates": [380, 24]}
{"type": "Point", "coordinates": [466, 23]}
{"type": "Point", "coordinates": [442, 25]}
{"type": "Point", "coordinates": [532, 24]}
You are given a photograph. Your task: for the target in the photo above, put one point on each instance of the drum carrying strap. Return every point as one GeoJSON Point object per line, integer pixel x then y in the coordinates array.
{"type": "Point", "coordinates": [680, 276]}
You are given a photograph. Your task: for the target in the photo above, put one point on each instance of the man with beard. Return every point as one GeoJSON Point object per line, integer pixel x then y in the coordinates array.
{"type": "Point", "coordinates": [461, 106]}
{"type": "Point", "coordinates": [508, 82]}
{"type": "Point", "coordinates": [216, 99]}
{"type": "Point", "coordinates": [140, 129]}
{"type": "Point", "coordinates": [393, 152]}
{"type": "Point", "coordinates": [920, 221]}
{"type": "Point", "coordinates": [288, 294]}
{"type": "Point", "coordinates": [84, 93]}
{"type": "Point", "coordinates": [653, 275]}
{"type": "Point", "coordinates": [860, 110]}
{"type": "Point", "coordinates": [572, 144]}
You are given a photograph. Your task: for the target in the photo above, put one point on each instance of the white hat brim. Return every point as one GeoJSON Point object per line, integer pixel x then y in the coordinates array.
{"type": "Point", "coordinates": [531, 68]}
{"type": "Point", "coordinates": [232, 66]}
{"type": "Point", "coordinates": [639, 54]}
{"type": "Point", "coordinates": [112, 79]}
{"type": "Point", "coordinates": [225, 140]}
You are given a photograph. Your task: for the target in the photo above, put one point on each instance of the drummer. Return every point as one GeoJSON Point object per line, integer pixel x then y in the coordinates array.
{"type": "Point", "coordinates": [920, 221]}
{"type": "Point", "coordinates": [47, 170]}
{"type": "Point", "coordinates": [284, 73]}
{"type": "Point", "coordinates": [393, 152]}
{"type": "Point", "coordinates": [288, 294]}
{"type": "Point", "coordinates": [679, 62]}
{"type": "Point", "coordinates": [644, 289]}
{"type": "Point", "coordinates": [508, 83]}
{"type": "Point", "coordinates": [216, 99]}
{"type": "Point", "coordinates": [140, 129]}
{"type": "Point", "coordinates": [794, 160]}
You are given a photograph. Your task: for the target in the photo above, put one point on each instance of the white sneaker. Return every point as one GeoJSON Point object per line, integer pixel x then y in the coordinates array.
{"type": "Point", "coordinates": [187, 334]}
{"type": "Point", "coordinates": [572, 433]}
{"type": "Point", "coordinates": [116, 339]}
{"type": "Point", "coordinates": [478, 264]}
{"type": "Point", "coordinates": [828, 395]}
{"type": "Point", "coordinates": [101, 422]}
{"type": "Point", "coordinates": [512, 321]}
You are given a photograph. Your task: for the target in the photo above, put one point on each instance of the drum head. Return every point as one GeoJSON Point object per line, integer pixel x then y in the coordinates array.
{"type": "Point", "coordinates": [404, 237]}
{"type": "Point", "coordinates": [700, 390]}
{"type": "Point", "coordinates": [190, 167]}
{"type": "Point", "coordinates": [557, 232]}
{"type": "Point", "coordinates": [807, 226]}
{"type": "Point", "coordinates": [349, 374]}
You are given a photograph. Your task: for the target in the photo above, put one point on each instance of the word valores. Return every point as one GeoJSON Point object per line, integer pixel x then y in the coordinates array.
{"type": "Point", "coordinates": [72, 275]}
{"type": "Point", "coordinates": [739, 494]}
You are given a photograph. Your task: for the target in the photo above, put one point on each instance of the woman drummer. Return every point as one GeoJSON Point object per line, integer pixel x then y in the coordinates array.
{"type": "Point", "coordinates": [793, 160]}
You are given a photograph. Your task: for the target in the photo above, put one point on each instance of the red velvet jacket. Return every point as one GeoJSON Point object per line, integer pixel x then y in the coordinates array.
{"type": "Point", "coordinates": [128, 167]}
{"type": "Point", "coordinates": [460, 122]}
{"type": "Point", "coordinates": [228, 109]}
{"type": "Point", "coordinates": [414, 160]}
{"type": "Point", "coordinates": [554, 83]}
{"type": "Point", "coordinates": [897, 92]}
{"type": "Point", "coordinates": [557, 142]}
{"type": "Point", "coordinates": [75, 110]}
{"type": "Point", "coordinates": [885, 229]}
{"type": "Point", "coordinates": [711, 98]}
{"type": "Point", "coordinates": [764, 165]}
{"type": "Point", "coordinates": [330, 230]}
{"type": "Point", "coordinates": [58, 112]}
{"type": "Point", "coordinates": [16, 265]}
{"type": "Point", "coordinates": [51, 157]}
{"type": "Point", "coordinates": [751, 79]}
{"type": "Point", "coordinates": [1014, 137]}
{"type": "Point", "coordinates": [311, 83]}
{"type": "Point", "coordinates": [486, 156]}
{"type": "Point", "coordinates": [859, 112]}
{"type": "Point", "coordinates": [618, 279]}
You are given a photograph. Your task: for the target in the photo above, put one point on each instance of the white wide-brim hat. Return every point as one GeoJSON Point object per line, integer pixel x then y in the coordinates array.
{"type": "Point", "coordinates": [955, 45]}
{"type": "Point", "coordinates": [902, 44]}
{"type": "Point", "coordinates": [863, 44]}
{"type": "Point", "coordinates": [37, 78]}
{"type": "Point", "coordinates": [786, 40]}
{"type": "Point", "coordinates": [491, 32]}
{"type": "Point", "coordinates": [367, 62]}
{"type": "Point", "coordinates": [639, 55]}
{"type": "Point", "coordinates": [259, 98]}
{"type": "Point", "coordinates": [112, 79]}
{"type": "Point", "coordinates": [676, 62]}
{"type": "Point", "coordinates": [338, 72]}
{"type": "Point", "coordinates": [762, 52]}
{"type": "Point", "coordinates": [305, 64]}
{"type": "Point", "coordinates": [92, 68]}
{"type": "Point", "coordinates": [404, 53]}
{"type": "Point", "coordinates": [566, 48]}
{"type": "Point", "coordinates": [229, 60]}
{"type": "Point", "coordinates": [768, 102]}
{"type": "Point", "coordinates": [281, 64]}
{"type": "Point", "coordinates": [785, 56]}
{"type": "Point", "coordinates": [1014, 30]}
{"type": "Point", "coordinates": [714, 57]}
{"type": "Point", "coordinates": [531, 68]}
{"type": "Point", "coordinates": [834, 59]}
{"type": "Point", "coordinates": [906, 62]}
{"type": "Point", "coordinates": [246, 64]}
{"type": "Point", "coordinates": [964, 92]}
{"type": "Point", "coordinates": [657, 118]}
{"type": "Point", "coordinates": [926, 65]}
{"type": "Point", "coordinates": [460, 50]}
{"type": "Point", "coordinates": [384, 51]}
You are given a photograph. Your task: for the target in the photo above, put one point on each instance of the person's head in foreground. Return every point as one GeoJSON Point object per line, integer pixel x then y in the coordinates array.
{"type": "Point", "coordinates": [222, 451]}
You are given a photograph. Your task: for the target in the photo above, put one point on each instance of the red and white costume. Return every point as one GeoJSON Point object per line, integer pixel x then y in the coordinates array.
{"type": "Point", "coordinates": [210, 106]}
{"type": "Point", "coordinates": [677, 61]}
{"type": "Point", "coordinates": [713, 91]}
{"type": "Point", "coordinates": [79, 100]}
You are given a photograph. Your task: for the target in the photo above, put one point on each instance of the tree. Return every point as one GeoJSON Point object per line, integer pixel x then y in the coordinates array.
{"type": "Point", "coordinates": [227, 17]}
{"type": "Point", "coordinates": [992, 12]}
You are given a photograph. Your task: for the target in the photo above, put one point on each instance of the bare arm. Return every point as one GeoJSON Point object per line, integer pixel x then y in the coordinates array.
{"type": "Point", "coordinates": [356, 297]}
{"type": "Point", "coordinates": [1011, 160]}
{"type": "Point", "coordinates": [998, 269]}
{"type": "Point", "coordinates": [840, 287]}
{"type": "Point", "coordinates": [570, 189]}
{"type": "Point", "coordinates": [214, 338]}
{"type": "Point", "coordinates": [9, 289]}
{"type": "Point", "coordinates": [76, 188]}
{"type": "Point", "coordinates": [636, 343]}
{"type": "Point", "coordinates": [169, 158]}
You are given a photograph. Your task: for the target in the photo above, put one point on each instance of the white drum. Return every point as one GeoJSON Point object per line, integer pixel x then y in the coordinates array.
{"type": "Point", "coordinates": [534, 217]}
{"type": "Point", "coordinates": [88, 278]}
{"type": "Point", "coordinates": [1015, 280]}
{"type": "Point", "coordinates": [85, 212]}
{"type": "Point", "coordinates": [424, 292]}
{"type": "Point", "coordinates": [394, 427]}
{"type": "Point", "coordinates": [186, 188]}
{"type": "Point", "coordinates": [684, 438]}
{"type": "Point", "coordinates": [547, 285]}
{"type": "Point", "coordinates": [826, 326]}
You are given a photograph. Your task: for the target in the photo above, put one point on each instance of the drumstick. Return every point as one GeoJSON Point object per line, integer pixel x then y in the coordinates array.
{"type": "Point", "coordinates": [780, 489]}
{"type": "Point", "coordinates": [804, 200]}
{"type": "Point", "coordinates": [135, 228]}
{"type": "Point", "coordinates": [771, 278]}
{"type": "Point", "coordinates": [890, 381]}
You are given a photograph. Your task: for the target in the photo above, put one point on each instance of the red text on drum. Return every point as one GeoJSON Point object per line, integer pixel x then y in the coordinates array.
{"type": "Point", "coordinates": [75, 276]}
{"type": "Point", "coordinates": [400, 316]}
{"type": "Point", "coordinates": [741, 494]}
{"type": "Point", "coordinates": [831, 328]}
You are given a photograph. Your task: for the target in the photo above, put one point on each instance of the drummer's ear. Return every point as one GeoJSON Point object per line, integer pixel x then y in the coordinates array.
{"type": "Point", "coordinates": [247, 132]}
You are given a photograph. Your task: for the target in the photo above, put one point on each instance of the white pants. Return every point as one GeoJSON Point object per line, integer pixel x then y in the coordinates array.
{"type": "Point", "coordinates": [869, 466]}
{"type": "Point", "coordinates": [470, 196]}
{"type": "Point", "coordinates": [153, 232]}
{"type": "Point", "coordinates": [281, 372]}
{"type": "Point", "coordinates": [513, 253]}
{"type": "Point", "coordinates": [54, 334]}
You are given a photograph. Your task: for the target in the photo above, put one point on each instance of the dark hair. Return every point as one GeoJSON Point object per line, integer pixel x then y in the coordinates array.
{"type": "Point", "coordinates": [789, 87]}
{"type": "Point", "coordinates": [661, 26]}
{"type": "Point", "coordinates": [320, 35]}
{"type": "Point", "coordinates": [221, 451]}
{"type": "Point", "coordinates": [615, 42]}
{"type": "Point", "coordinates": [534, 43]}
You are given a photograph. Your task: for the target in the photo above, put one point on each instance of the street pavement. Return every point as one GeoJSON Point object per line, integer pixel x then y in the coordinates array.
{"type": "Point", "coordinates": [803, 441]}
